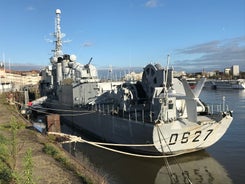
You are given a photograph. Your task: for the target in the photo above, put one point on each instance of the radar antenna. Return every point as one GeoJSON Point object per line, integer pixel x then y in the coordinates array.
{"type": "Point", "coordinates": [58, 35]}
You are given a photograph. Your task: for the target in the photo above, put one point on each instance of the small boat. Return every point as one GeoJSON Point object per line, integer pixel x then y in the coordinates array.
{"type": "Point", "coordinates": [39, 124]}
{"type": "Point", "coordinates": [158, 115]}
{"type": "Point", "coordinates": [225, 84]}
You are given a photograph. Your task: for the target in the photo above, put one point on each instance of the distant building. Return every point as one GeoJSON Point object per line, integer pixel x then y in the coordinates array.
{"type": "Point", "coordinates": [211, 74]}
{"type": "Point", "coordinates": [235, 70]}
{"type": "Point", "coordinates": [227, 71]}
{"type": "Point", "coordinates": [179, 73]}
{"type": "Point", "coordinates": [17, 80]}
{"type": "Point", "coordinates": [133, 76]}
{"type": "Point", "coordinates": [1, 66]}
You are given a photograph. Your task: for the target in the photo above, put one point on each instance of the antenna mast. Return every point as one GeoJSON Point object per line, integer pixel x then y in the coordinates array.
{"type": "Point", "coordinates": [166, 74]}
{"type": "Point", "coordinates": [58, 35]}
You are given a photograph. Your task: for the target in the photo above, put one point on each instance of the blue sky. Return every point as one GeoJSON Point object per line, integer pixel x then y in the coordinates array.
{"type": "Point", "coordinates": [125, 33]}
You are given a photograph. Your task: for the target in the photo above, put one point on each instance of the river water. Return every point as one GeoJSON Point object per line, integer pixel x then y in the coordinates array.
{"type": "Point", "coordinates": [221, 163]}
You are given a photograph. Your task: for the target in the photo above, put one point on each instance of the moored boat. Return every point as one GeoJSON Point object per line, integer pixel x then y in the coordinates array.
{"type": "Point", "coordinates": [225, 84]}
{"type": "Point", "coordinates": [158, 115]}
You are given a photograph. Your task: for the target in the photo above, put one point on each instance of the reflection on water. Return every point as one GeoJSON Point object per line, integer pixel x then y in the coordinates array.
{"type": "Point", "coordinates": [234, 98]}
{"type": "Point", "coordinates": [198, 167]}
{"type": "Point", "coordinates": [121, 169]}
{"type": "Point", "coordinates": [230, 149]}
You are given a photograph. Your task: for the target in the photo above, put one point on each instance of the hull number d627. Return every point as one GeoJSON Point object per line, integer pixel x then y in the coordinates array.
{"type": "Point", "coordinates": [187, 136]}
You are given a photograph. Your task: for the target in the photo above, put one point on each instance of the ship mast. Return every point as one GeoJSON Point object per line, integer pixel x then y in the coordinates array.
{"type": "Point", "coordinates": [58, 36]}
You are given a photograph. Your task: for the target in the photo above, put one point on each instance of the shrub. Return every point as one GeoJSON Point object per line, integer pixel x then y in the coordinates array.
{"type": "Point", "coordinates": [5, 174]}
{"type": "Point", "coordinates": [50, 150]}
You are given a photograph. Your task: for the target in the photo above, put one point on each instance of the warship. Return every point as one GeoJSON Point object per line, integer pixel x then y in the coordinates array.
{"type": "Point", "coordinates": [159, 114]}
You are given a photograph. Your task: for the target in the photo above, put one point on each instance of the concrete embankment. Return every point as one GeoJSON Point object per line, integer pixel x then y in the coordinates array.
{"type": "Point", "coordinates": [27, 155]}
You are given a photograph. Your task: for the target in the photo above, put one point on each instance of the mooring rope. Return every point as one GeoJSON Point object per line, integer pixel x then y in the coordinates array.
{"type": "Point", "coordinates": [170, 172]}
{"type": "Point", "coordinates": [73, 114]}
{"type": "Point", "coordinates": [101, 145]}
{"type": "Point", "coordinates": [169, 169]}
{"type": "Point", "coordinates": [62, 110]}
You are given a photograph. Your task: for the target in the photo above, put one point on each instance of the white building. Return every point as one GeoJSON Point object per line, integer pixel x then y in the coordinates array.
{"type": "Point", "coordinates": [11, 81]}
{"type": "Point", "coordinates": [227, 71]}
{"type": "Point", "coordinates": [235, 70]}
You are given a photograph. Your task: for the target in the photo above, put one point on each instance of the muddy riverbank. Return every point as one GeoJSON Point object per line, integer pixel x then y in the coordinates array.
{"type": "Point", "coordinates": [48, 162]}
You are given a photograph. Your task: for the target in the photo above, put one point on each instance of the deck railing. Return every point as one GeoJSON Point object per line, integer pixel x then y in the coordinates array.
{"type": "Point", "coordinates": [217, 108]}
{"type": "Point", "coordinates": [130, 114]}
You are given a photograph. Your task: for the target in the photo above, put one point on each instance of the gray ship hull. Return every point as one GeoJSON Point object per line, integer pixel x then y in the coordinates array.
{"type": "Point", "coordinates": [176, 138]}
{"type": "Point", "coordinates": [112, 129]}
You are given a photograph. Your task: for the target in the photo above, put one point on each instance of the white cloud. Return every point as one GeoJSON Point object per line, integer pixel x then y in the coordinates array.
{"type": "Point", "coordinates": [87, 44]}
{"type": "Point", "coordinates": [30, 8]}
{"type": "Point", "coordinates": [151, 3]}
{"type": "Point", "coordinates": [213, 55]}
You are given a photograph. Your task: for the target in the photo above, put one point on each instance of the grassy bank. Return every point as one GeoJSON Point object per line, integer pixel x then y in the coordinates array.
{"type": "Point", "coordinates": [28, 157]}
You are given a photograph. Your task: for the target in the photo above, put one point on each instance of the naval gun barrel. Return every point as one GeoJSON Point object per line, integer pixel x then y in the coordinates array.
{"type": "Point", "coordinates": [90, 60]}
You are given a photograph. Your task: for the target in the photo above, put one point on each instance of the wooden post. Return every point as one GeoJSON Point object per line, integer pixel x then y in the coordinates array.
{"type": "Point", "coordinates": [53, 123]}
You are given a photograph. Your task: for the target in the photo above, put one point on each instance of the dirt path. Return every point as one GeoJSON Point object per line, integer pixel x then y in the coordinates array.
{"type": "Point", "coordinates": [46, 169]}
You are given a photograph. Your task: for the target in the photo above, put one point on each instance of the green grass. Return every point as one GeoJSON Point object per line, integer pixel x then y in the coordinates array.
{"type": "Point", "coordinates": [61, 158]}
{"type": "Point", "coordinates": [9, 148]}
